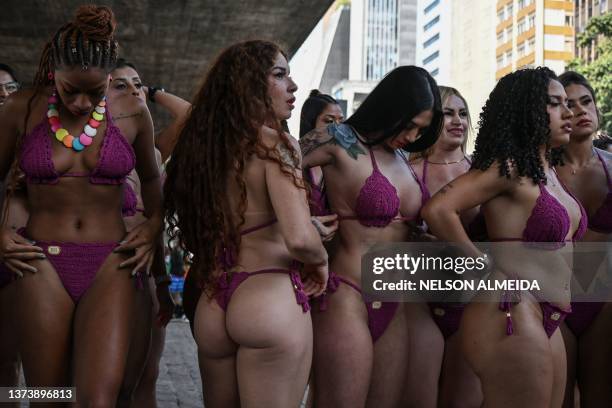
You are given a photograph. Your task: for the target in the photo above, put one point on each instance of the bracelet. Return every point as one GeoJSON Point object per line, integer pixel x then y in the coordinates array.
{"type": "Point", "coordinates": [163, 279]}
{"type": "Point", "coordinates": [152, 91]}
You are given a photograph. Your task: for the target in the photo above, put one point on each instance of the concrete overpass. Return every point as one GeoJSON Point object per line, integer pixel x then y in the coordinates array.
{"type": "Point", "coordinates": [170, 41]}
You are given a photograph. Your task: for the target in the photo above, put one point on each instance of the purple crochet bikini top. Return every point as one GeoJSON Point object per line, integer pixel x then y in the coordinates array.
{"type": "Point", "coordinates": [377, 203]}
{"type": "Point", "coordinates": [116, 158]}
{"type": "Point", "coordinates": [549, 220]}
{"type": "Point", "coordinates": [601, 221]}
{"type": "Point", "coordinates": [318, 199]}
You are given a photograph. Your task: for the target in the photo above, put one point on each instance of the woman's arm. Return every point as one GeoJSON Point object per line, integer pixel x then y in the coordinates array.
{"type": "Point", "coordinates": [317, 148]}
{"type": "Point", "coordinates": [15, 250]}
{"type": "Point", "coordinates": [178, 109]}
{"type": "Point", "coordinates": [143, 237]}
{"type": "Point", "coordinates": [291, 209]}
{"type": "Point", "coordinates": [465, 192]}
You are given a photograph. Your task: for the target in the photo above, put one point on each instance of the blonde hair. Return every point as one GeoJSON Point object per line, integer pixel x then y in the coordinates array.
{"type": "Point", "coordinates": [445, 93]}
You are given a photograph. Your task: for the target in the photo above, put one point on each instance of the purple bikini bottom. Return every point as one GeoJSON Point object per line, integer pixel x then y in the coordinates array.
{"type": "Point", "coordinates": [76, 264]}
{"type": "Point", "coordinates": [583, 314]}
{"type": "Point", "coordinates": [227, 284]}
{"type": "Point", "coordinates": [447, 316]}
{"type": "Point", "coordinates": [552, 316]}
{"type": "Point", "coordinates": [380, 314]}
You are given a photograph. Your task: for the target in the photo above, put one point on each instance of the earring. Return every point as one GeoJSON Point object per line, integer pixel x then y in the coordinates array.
{"type": "Point", "coordinates": [50, 76]}
{"type": "Point", "coordinates": [110, 78]}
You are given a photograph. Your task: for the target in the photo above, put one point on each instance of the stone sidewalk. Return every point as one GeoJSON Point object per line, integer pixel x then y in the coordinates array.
{"type": "Point", "coordinates": [179, 384]}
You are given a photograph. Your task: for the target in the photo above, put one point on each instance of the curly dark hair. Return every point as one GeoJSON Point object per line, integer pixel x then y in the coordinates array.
{"type": "Point", "coordinates": [514, 124]}
{"type": "Point", "coordinates": [221, 133]}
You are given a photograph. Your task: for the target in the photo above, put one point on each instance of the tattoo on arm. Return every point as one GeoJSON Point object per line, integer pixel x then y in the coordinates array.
{"type": "Point", "coordinates": [286, 155]}
{"type": "Point", "coordinates": [341, 135]}
{"type": "Point", "coordinates": [313, 140]}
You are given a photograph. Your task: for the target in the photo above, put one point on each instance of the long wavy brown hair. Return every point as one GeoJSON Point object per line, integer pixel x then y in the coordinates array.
{"type": "Point", "coordinates": [221, 133]}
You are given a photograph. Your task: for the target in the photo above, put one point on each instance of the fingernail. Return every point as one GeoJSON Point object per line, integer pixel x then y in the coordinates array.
{"type": "Point", "coordinates": [42, 256]}
{"type": "Point", "coordinates": [122, 242]}
{"type": "Point", "coordinates": [31, 242]}
{"type": "Point", "coordinates": [34, 269]}
{"type": "Point", "coordinates": [121, 265]}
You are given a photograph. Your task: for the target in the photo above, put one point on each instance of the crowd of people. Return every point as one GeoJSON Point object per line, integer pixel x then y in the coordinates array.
{"type": "Point", "coordinates": [273, 229]}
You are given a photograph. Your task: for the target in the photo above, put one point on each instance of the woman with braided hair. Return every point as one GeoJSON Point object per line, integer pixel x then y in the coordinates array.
{"type": "Point", "coordinates": [235, 199]}
{"type": "Point", "coordinates": [510, 337]}
{"type": "Point", "coordinates": [80, 287]}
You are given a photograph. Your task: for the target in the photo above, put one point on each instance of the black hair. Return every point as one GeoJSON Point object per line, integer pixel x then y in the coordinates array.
{"type": "Point", "coordinates": [312, 108]}
{"type": "Point", "coordinates": [10, 71]}
{"type": "Point", "coordinates": [514, 123]}
{"type": "Point", "coordinates": [401, 95]}
{"type": "Point", "coordinates": [574, 78]}
{"type": "Point", "coordinates": [122, 63]}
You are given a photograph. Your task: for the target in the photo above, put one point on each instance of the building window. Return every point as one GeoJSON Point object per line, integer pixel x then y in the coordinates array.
{"type": "Point", "coordinates": [531, 20]}
{"type": "Point", "coordinates": [431, 40]}
{"type": "Point", "coordinates": [435, 72]}
{"type": "Point", "coordinates": [432, 23]}
{"type": "Point", "coordinates": [569, 21]}
{"type": "Point", "coordinates": [520, 50]}
{"type": "Point", "coordinates": [521, 26]}
{"type": "Point", "coordinates": [500, 16]}
{"type": "Point", "coordinates": [508, 57]}
{"type": "Point", "coordinates": [521, 4]}
{"type": "Point", "coordinates": [500, 62]}
{"type": "Point", "coordinates": [508, 33]}
{"type": "Point", "coordinates": [531, 44]}
{"type": "Point", "coordinates": [603, 6]}
{"type": "Point", "coordinates": [500, 37]}
{"type": "Point", "coordinates": [509, 10]}
{"type": "Point", "coordinates": [431, 57]}
{"type": "Point", "coordinates": [431, 6]}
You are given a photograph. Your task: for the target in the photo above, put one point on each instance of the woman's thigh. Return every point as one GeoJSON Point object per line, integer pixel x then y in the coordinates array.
{"type": "Point", "coordinates": [9, 345]}
{"type": "Point", "coordinates": [517, 369]}
{"type": "Point", "coordinates": [343, 350]}
{"type": "Point", "coordinates": [274, 337]}
{"type": "Point", "coordinates": [43, 313]}
{"type": "Point", "coordinates": [104, 326]}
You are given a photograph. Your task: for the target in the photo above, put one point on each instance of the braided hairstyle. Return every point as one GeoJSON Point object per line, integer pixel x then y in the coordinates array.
{"type": "Point", "coordinates": [514, 123]}
{"type": "Point", "coordinates": [86, 41]}
{"type": "Point", "coordinates": [220, 135]}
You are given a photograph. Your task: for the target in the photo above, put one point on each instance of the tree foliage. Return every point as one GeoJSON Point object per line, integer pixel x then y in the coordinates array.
{"type": "Point", "coordinates": [598, 72]}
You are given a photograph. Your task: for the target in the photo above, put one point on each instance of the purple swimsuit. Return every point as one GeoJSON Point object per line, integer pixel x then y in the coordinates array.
{"type": "Point", "coordinates": [548, 222]}
{"type": "Point", "coordinates": [584, 313]}
{"type": "Point", "coordinates": [227, 282]}
{"type": "Point", "coordinates": [377, 205]}
{"type": "Point", "coordinates": [76, 263]}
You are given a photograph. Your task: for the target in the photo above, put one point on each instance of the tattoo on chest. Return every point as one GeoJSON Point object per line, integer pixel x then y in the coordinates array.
{"type": "Point", "coordinates": [126, 115]}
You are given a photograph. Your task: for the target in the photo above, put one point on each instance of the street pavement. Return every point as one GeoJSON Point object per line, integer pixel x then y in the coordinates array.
{"type": "Point", "coordinates": [179, 384]}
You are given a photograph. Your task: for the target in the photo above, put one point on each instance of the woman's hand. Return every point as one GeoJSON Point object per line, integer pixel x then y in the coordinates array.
{"type": "Point", "coordinates": [326, 225]}
{"type": "Point", "coordinates": [16, 250]}
{"type": "Point", "coordinates": [166, 304]}
{"type": "Point", "coordinates": [315, 279]}
{"type": "Point", "coordinates": [142, 240]}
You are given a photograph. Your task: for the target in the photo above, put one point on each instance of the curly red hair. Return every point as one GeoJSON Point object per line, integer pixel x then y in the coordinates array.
{"type": "Point", "coordinates": [221, 133]}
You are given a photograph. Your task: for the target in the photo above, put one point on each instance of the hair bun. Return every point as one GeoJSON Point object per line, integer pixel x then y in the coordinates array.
{"type": "Point", "coordinates": [97, 23]}
{"type": "Point", "coordinates": [314, 92]}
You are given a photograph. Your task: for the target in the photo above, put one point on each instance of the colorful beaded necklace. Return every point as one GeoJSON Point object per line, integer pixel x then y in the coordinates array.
{"type": "Point", "coordinates": [89, 131]}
